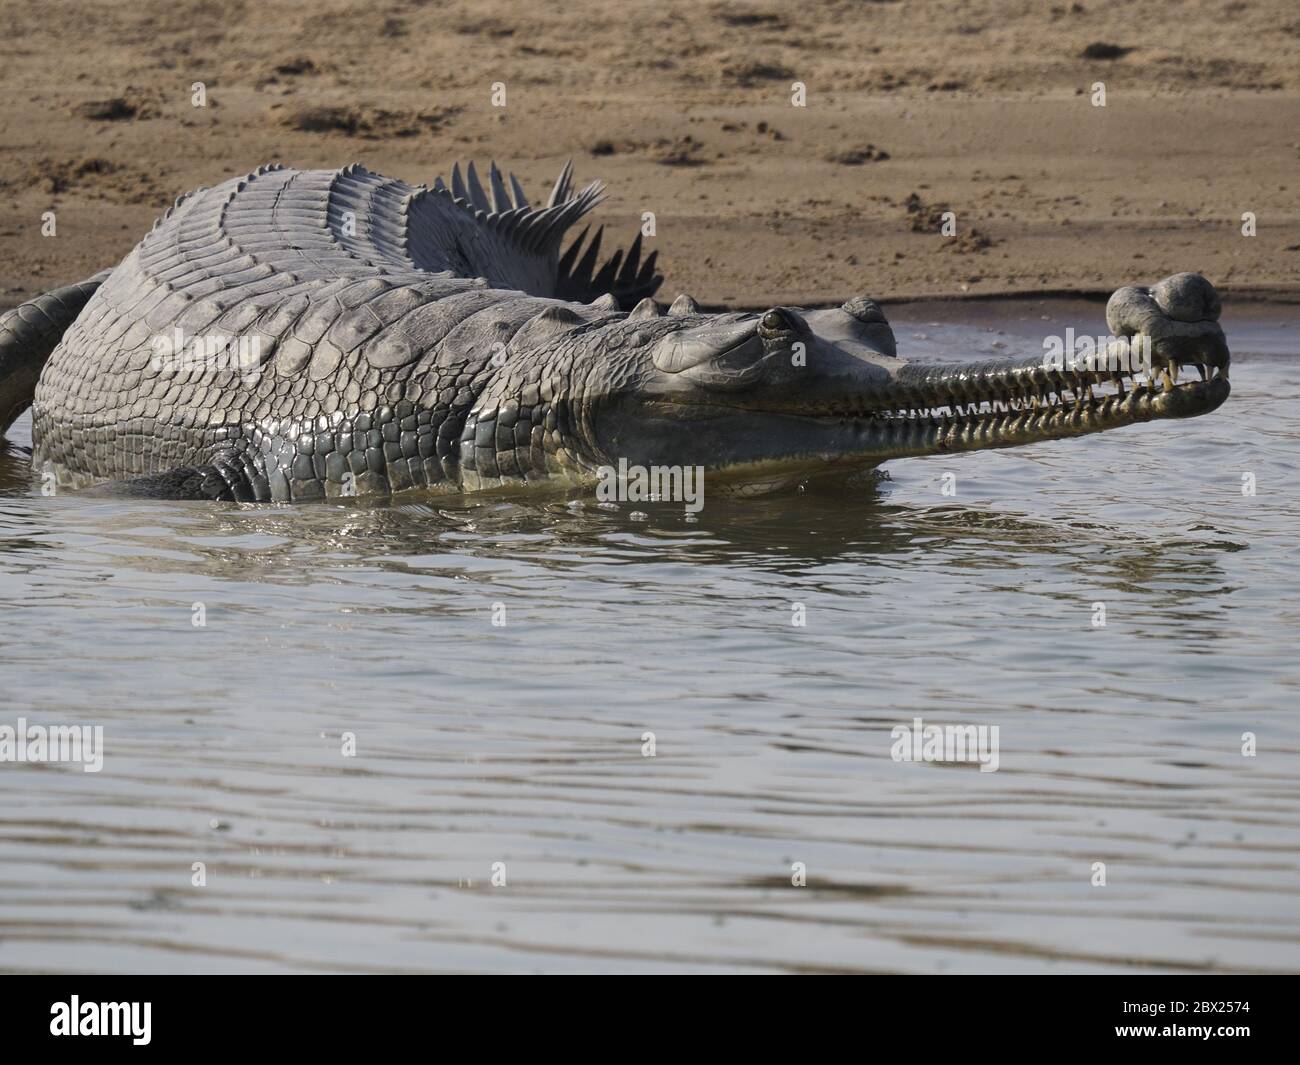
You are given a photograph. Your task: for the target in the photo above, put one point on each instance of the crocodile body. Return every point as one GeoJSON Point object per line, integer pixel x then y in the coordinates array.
{"type": "Point", "coordinates": [369, 313]}
{"type": "Point", "coordinates": [299, 335]}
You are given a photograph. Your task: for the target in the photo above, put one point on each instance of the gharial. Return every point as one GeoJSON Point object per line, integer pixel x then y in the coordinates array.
{"type": "Point", "coordinates": [397, 338]}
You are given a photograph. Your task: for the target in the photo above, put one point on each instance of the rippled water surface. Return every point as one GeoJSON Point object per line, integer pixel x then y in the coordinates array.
{"type": "Point", "coordinates": [522, 743]}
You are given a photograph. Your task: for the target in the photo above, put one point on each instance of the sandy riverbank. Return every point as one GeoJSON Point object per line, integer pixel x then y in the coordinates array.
{"type": "Point", "coordinates": [685, 110]}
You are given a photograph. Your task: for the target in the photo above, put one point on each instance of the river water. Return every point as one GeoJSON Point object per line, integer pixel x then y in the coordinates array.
{"type": "Point", "coordinates": [523, 743]}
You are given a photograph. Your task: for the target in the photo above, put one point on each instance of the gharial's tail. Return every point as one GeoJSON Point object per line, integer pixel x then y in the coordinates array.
{"type": "Point", "coordinates": [28, 333]}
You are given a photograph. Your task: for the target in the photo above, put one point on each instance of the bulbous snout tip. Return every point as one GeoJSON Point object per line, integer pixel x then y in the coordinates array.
{"type": "Point", "coordinates": [1186, 297]}
{"type": "Point", "coordinates": [1179, 315]}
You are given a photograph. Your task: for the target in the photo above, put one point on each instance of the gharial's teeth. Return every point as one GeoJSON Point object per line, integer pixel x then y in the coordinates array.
{"type": "Point", "coordinates": [1200, 368]}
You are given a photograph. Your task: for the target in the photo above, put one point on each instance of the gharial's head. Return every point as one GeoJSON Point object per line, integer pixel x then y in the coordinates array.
{"type": "Point", "coordinates": [788, 392]}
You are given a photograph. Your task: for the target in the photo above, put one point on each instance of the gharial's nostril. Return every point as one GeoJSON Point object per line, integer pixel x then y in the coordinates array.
{"type": "Point", "coordinates": [864, 309]}
{"type": "Point", "coordinates": [1187, 298]}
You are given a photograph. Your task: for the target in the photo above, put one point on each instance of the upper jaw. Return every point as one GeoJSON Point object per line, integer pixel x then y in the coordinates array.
{"type": "Point", "coordinates": [1160, 389]}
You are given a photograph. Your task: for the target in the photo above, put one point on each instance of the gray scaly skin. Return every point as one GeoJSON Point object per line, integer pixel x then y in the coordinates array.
{"type": "Point", "coordinates": [435, 339]}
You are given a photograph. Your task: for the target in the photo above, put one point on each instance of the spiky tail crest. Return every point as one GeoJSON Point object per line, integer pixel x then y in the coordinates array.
{"type": "Point", "coordinates": [517, 244]}
{"type": "Point", "coordinates": [623, 275]}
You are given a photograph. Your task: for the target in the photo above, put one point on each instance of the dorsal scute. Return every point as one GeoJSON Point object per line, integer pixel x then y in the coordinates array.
{"type": "Point", "coordinates": [507, 212]}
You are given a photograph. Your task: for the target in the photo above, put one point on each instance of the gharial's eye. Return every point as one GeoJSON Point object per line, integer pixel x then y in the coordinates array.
{"type": "Point", "coordinates": [776, 321]}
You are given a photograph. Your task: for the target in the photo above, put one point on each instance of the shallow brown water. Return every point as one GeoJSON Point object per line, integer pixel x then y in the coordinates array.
{"type": "Point", "coordinates": [522, 744]}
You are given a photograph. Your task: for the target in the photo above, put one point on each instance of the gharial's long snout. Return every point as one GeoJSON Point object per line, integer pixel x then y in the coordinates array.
{"type": "Point", "coordinates": [1163, 333]}
{"type": "Point", "coordinates": [825, 386]}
